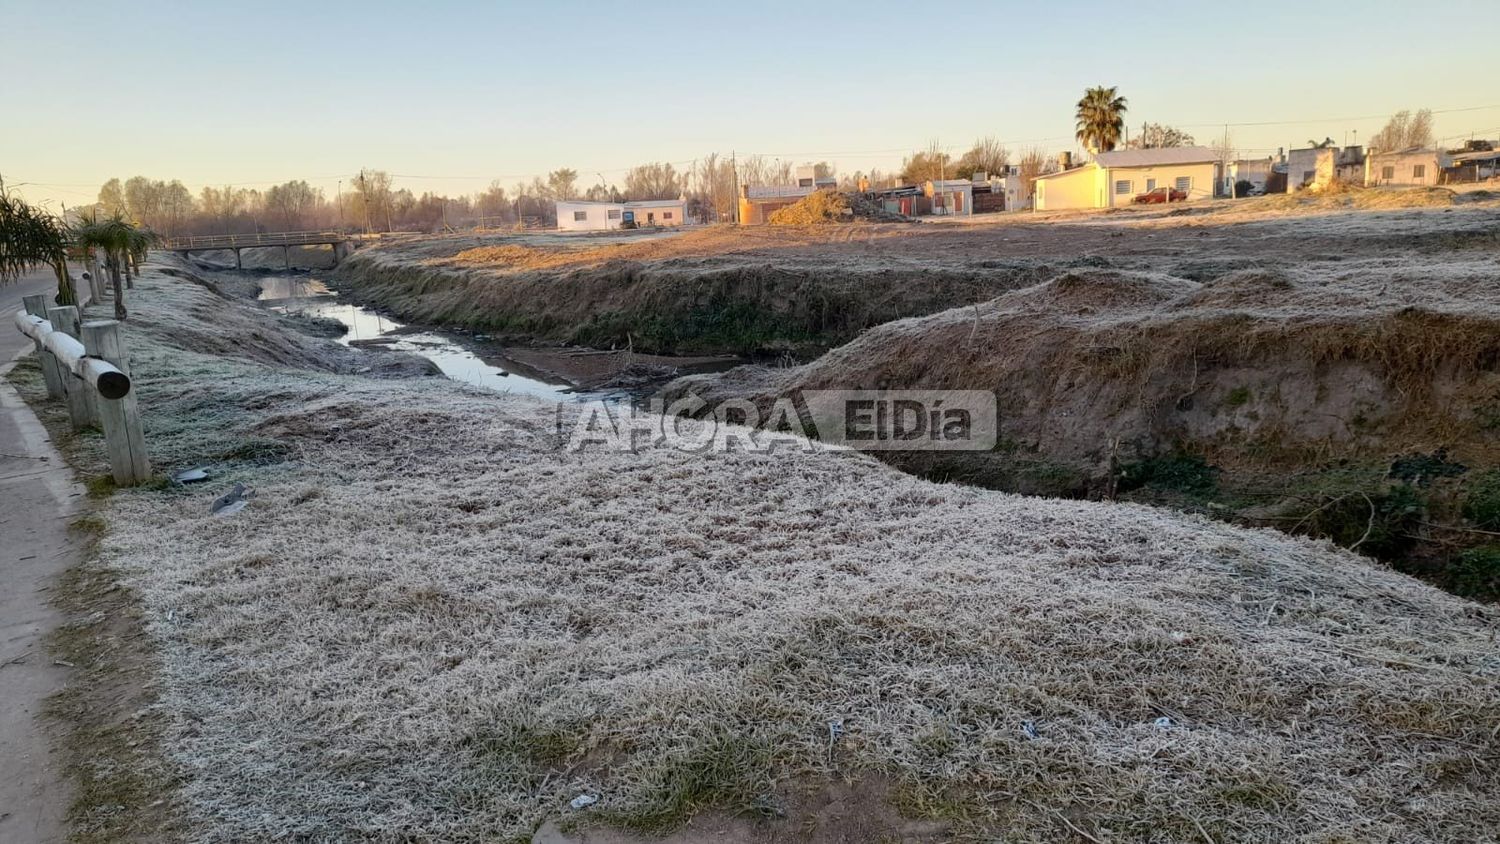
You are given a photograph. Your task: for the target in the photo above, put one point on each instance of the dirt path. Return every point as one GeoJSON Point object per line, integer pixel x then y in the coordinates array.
{"type": "Point", "coordinates": [40, 497]}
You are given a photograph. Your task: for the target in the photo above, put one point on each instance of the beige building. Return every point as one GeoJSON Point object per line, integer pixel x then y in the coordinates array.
{"type": "Point", "coordinates": [1410, 167]}
{"type": "Point", "coordinates": [1313, 168]}
{"type": "Point", "coordinates": [1116, 178]}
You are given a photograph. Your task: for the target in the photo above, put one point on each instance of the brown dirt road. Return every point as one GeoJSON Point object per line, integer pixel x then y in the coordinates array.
{"type": "Point", "coordinates": [40, 497]}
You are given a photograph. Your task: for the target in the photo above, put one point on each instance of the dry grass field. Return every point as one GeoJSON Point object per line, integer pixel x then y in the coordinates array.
{"type": "Point", "coordinates": [431, 623]}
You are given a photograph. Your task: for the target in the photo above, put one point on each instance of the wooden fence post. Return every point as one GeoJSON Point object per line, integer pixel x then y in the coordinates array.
{"type": "Point", "coordinates": [36, 305]}
{"type": "Point", "coordinates": [80, 414]}
{"type": "Point", "coordinates": [119, 418]}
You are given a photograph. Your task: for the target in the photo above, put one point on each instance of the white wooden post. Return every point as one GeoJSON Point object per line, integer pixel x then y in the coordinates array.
{"type": "Point", "coordinates": [120, 418]}
{"type": "Point", "coordinates": [80, 414]}
{"type": "Point", "coordinates": [36, 305]}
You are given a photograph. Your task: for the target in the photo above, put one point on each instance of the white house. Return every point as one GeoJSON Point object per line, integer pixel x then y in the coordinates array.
{"type": "Point", "coordinates": [950, 197]}
{"type": "Point", "coordinates": [1314, 168]}
{"type": "Point", "coordinates": [1117, 178]}
{"type": "Point", "coordinates": [585, 215]}
{"type": "Point", "coordinates": [1256, 171]}
{"type": "Point", "coordinates": [1409, 167]}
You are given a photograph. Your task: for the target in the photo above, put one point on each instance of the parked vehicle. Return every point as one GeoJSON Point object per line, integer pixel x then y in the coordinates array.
{"type": "Point", "coordinates": [1161, 195]}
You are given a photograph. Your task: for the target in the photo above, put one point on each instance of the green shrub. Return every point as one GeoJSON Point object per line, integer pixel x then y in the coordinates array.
{"type": "Point", "coordinates": [1176, 471]}
{"type": "Point", "coordinates": [1482, 504]}
{"type": "Point", "coordinates": [1476, 573]}
{"type": "Point", "coordinates": [1237, 397]}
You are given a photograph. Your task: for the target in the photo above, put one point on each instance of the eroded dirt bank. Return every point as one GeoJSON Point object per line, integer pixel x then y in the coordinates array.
{"type": "Point", "coordinates": [719, 291]}
{"type": "Point", "coordinates": [1346, 384]}
{"type": "Point", "coordinates": [767, 290]}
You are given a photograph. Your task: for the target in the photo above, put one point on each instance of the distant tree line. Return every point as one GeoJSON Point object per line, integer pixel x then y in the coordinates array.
{"type": "Point", "coordinates": [371, 200]}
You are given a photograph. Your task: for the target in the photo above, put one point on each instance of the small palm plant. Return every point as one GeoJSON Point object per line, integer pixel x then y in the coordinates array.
{"type": "Point", "coordinates": [141, 240]}
{"type": "Point", "coordinates": [112, 238]}
{"type": "Point", "coordinates": [30, 236]}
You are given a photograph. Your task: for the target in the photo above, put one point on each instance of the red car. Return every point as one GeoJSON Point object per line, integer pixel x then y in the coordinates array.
{"type": "Point", "coordinates": [1161, 195]}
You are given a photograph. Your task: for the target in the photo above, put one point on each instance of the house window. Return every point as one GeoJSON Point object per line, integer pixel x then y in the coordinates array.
{"type": "Point", "coordinates": [666, 215]}
{"type": "Point", "coordinates": [1419, 171]}
{"type": "Point", "coordinates": [1388, 173]}
{"type": "Point", "coordinates": [580, 216]}
{"type": "Point", "coordinates": [614, 213]}
{"type": "Point", "coordinates": [1184, 184]}
{"type": "Point", "coordinates": [1150, 185]}
{"type": "Point", "coordinates": [1122, 187]}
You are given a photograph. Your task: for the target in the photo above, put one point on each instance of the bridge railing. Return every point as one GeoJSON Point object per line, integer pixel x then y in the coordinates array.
{"type": "Point", "coordinates": [236, 241]}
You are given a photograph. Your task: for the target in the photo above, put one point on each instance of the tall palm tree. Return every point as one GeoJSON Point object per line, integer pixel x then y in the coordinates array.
{"type": "Point", "coordinates": [113, 238]}
{"type": "Point", "coordinates": [28, 237]}
{"type": "Point", "coordinates": [1101, 119]}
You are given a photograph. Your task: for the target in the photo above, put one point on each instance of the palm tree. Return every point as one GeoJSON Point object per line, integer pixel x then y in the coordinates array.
{"type": "Point", "coordinates": [141, 240]}
{"type": "Point", "coordinates": [113, 238]}
{"type": "Point", "coordinates": [1101, 119]}
{"type": "Point", "coordinates": [30, 236]}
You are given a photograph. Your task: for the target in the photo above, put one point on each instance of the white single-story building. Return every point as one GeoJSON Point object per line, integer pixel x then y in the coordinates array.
{"type": "Point", "coordinates": [585, 215]}
{"type": "Point", "coordinates": [950, 197]}
{"type": "Point", "coordinates": [1116, 178]}
{"type": "Point", "coordinates": [1313, 168]}
{"type": "Point", "coordinates": [1256, 171]}
{"type": "Point", "coordinates": [1409, 167]}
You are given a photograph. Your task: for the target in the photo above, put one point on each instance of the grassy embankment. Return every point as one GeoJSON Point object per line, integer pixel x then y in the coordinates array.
{"type": "Point", "coordinates": [755, 292]}
{"type": "Point", "coordinates": [430, 623]}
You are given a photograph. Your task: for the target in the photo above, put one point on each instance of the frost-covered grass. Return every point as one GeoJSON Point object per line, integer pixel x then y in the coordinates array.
{"type": "Point", "coordinates": [431, 624]}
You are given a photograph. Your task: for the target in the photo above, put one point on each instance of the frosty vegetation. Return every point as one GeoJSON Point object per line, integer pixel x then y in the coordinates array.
{"type": "Point", "coordinates": [432, 624]}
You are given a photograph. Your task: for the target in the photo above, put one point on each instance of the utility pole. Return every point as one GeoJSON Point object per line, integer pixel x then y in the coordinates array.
{"type": "Point", "coordinates": [1224, 163]}
{"type": "Point", "coordinates": [340, 190]}
{"type": "Point", "coordinates": [734, 169]}
{"type": "Point", "coordinates": [364, 196]}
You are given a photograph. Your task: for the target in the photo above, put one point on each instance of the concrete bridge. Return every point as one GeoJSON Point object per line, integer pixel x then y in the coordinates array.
{"type": "Point", "coordinates": [341, 243]}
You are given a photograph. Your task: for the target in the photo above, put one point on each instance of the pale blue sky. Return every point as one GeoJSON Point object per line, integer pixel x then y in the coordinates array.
{"type": "Point", "coordinates": [253, 93]}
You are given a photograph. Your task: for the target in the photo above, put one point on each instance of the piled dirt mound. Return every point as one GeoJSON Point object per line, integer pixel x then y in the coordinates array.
{"type": "Point", "coordinates": [434, 625]}
{"type": "Point", "coordinates": [827, 206]}
{"type": "Point", "coordinates": [822, 206]}
{"type": "Point", "coordinates": [865, 208]}
{"type": "Point", "coordinates": [1091, 291]}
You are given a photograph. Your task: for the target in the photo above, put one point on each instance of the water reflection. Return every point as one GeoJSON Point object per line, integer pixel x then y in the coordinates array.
{"type": "Point", "coordinates": [493, 370]}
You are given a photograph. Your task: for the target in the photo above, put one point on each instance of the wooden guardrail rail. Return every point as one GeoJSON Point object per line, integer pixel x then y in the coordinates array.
{"type": "Point", "coordinates": [86, 365]}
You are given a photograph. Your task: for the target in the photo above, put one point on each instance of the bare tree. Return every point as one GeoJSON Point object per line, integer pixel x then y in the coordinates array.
{"type": "Point", "coordinates": [1157, 136]}
{"type": "Point", "coordinates": [715, 185]}
{"type": "Point", "coordinates": [925, 165]}
{"type": "Point", "coordinates": [653, 181]}
{"type": "Point", "coordinates": [372, 199]}
{"type": "Point", "coordinates": [987, 155]}
{"type": "Point", "coordinates": [1224, 149]}
{"type": "Point", "coordinates": [1033, 164]}
{"type": "Point", "coordinates": [112, 198]}
{"type": "Point", "coordinates": [293, 201]}
{"type": "Point", "coordinates": [562, 184]}
{"type": "Point", "coordinates": [1404, 131]}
